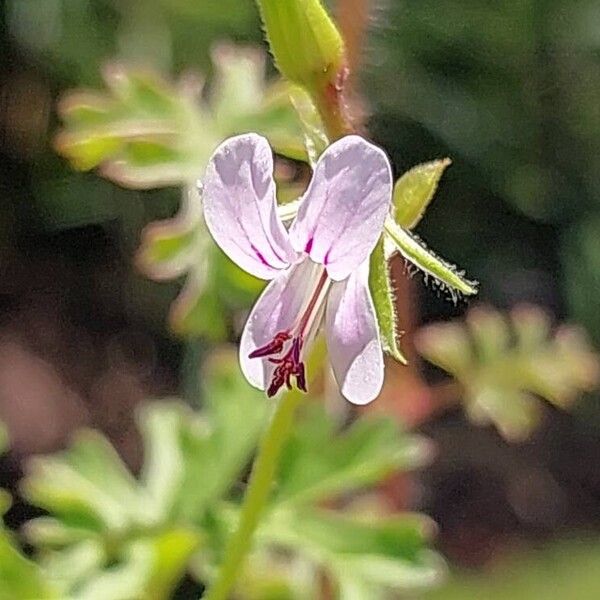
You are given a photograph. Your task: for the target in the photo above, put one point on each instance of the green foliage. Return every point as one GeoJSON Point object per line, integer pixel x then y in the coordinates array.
{"type": "Point", "coordinates": [307, 47]}
{"type": "Point", "coordinates": [415, 190]}
{"type": "Point", "coordinates": [183, 246]}
{"type": "Point", "coordinates": [364, 557]}
{"type": "Point", "coordinates": [143, 132]}
{"type": "Point", "coordinates": [411, 196]}
{"type": "Point", "coordinates": [317, 464]}
{"type": "Point", "coordinates": [146, 133]}
{"type": "Point", "coordinates": [503, 364]}
{"type": "Point", "coordinates": [132, 536]}
{"type": "Point", "coordinates": [358, 551]}
{"type": "Point", "coordinates": [361, 553]}
{"type": "Point", "coordinates": [111, 536]}
{"type": "Point", "coordinates": [20, 578]}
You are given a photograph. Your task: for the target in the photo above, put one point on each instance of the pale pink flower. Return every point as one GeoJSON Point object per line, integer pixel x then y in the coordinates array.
{"type": "Point", "coordinates": [318, 271]}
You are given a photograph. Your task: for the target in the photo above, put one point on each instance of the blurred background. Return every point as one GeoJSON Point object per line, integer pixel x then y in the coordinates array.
{"type": "Point", "coordinates": [509, 90]}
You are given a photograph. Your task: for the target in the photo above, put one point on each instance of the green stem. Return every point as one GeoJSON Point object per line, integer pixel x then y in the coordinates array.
{"type": "Point", "coordinates": [257, 494]}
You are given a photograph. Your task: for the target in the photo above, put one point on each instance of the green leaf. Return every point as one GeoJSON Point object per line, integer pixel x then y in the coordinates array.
{"type": "Point", "coordinates": [375, 554]}
{"type": "Point", "coordinates": [505, 362]}
{"type": "Point", "coordinates": [414, 191]}
{"type": "Point", "coordinates": [183, 246]}
{"type": "Point", "coordinates": [449, 346]}
{"type": "Point", "coordinates": [213, 456]}
{"type": "Point", "coordinates": [413, 250]}
{"type": "Point", "coordinates": [382, 291]}
{"type": "Point", "coordinates": [171, 552]}
{"type": "Point", "coordinates": [75, 565]}
{"type": "Point", "coordinates": [171, 247]}
{"type": "Point", "coordinates": [143, 132]}
{"type": "Point", "coordinates": [109, 535]}
{"type": "Point", "coordinates": [318, 462]}
{"type": "Point", "coordinates": [87, 486]}
{"type": "Point", "coordinates": [272, 576]}
{"type": "Point", "coordinates": [123, 580]}
{"type": "Point", "coordinates": [240, 101]}
{"type": "Point", "coordinates": [6, 501]}
{"type": "Point", "coordinates": [20, 578]}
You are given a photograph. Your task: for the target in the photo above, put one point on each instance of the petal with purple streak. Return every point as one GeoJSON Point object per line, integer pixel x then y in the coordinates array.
{"type": "Point", "coordinates": [343, 210]}
{"type": "Point", "coordinates": [240, 206]}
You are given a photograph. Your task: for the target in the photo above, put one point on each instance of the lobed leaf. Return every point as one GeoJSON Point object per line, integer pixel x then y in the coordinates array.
{"type": "Point", "coordinates": [505, 363]}
{"type": "Point", "coordinates": [377, 556]}
{"type": "Point", "coordinates": [320, 462]}
{"type": "Point", "coordinates": [144, 132]}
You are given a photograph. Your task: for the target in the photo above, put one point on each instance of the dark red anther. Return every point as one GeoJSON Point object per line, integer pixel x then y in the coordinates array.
{"type": "Point", "coordinates": [276, 382]}
{"type": "Point", "coordinates": [275, 346]}
{"type": "Point", "coordinates": [296, 347]}
{"type": "Point", "coordinates": [300, 377]}
{"type": "Point", "coordinates": [288, 366]}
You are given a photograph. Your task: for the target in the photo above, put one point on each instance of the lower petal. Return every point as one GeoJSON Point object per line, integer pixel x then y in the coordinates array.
{"type": "Point", "coordinates": [353, 338]}
{"type": "Point", "coordinates": [276, 310]}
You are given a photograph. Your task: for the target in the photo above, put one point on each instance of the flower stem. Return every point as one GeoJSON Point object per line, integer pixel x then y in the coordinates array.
{"type": "Point", "coordinates": [330, 106]}
{"type": "Point", "coordinates": [260, 484]}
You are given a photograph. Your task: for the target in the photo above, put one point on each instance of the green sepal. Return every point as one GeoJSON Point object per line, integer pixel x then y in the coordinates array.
{"type": "Point", "coordinates": [417, 254]}
{"type": "Point", "coordinates": [414, 191]}
{"type": "Point", "coordinates": [382, 292]}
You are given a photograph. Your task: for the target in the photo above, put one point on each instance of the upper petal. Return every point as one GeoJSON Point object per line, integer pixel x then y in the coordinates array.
{"type": "Point", "coordinates": [240, 206]}
{"type": "Point", "coordinates": [343, 209]}
{"type": "Point", "coordinates": [277, 309]}
{"type": "Point", "coordinates": [353, 338]}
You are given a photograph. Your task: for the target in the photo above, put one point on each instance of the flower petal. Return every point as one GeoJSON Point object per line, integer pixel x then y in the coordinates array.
{"type": "Point", "coordinates": [276, 310]}
{"type": "Point", "coordinates": [343, 210]}
{"type": "Point", "coordinates": [240, 206]}
{"type": "Point", "coordinates": [353, 338]}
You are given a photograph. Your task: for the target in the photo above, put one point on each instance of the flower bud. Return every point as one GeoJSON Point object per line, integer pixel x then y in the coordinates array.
{"type": "Point", "coordinates": [307, 47]}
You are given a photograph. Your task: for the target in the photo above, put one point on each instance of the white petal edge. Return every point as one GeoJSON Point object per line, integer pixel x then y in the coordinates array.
{"type": "Point", "coordinates": [343, 210]}
{"type": "Point", "coordinates": [240, 207]}
{"type": "Point", "coordinates": [353, 340]}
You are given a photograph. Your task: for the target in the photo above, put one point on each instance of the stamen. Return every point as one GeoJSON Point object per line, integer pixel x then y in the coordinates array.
{"type": "Point", "coordinates": [290, 364]}
{"type": "Point", "coordinates": [275, 346]}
